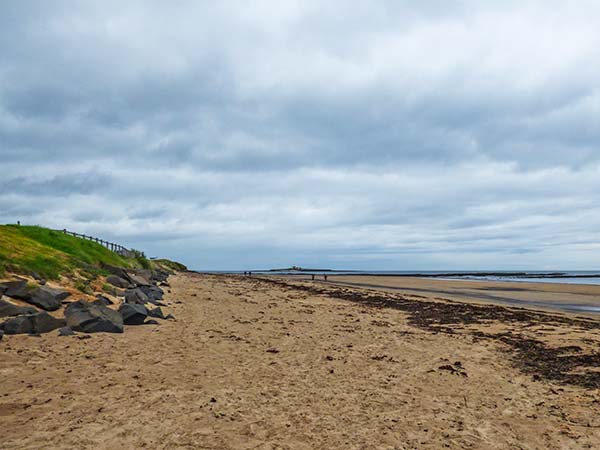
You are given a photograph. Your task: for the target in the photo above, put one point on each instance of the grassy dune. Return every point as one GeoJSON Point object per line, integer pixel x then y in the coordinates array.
{"type": "Point", "coordinates": [51, 254]}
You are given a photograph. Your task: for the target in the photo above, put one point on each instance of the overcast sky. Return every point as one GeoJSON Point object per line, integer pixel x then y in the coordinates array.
{"type": "Point", "coordinates": [368, 135]}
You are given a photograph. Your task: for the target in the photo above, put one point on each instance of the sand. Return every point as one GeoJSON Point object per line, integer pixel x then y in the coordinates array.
{"type": "Point", "coordinates": [279, 364]}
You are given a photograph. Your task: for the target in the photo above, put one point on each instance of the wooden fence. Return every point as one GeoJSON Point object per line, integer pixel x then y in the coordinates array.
{"type": "Point", "coordinates": [119, 249]}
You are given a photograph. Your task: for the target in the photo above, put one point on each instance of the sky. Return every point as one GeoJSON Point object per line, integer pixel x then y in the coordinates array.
{"type": "Point", "coordinates": [375, 135]}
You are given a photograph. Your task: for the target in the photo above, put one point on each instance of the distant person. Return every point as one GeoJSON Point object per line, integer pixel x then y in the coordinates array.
{"type": "Point", "coordinates": [325, 276]}
{"type": "Point", "coordinates": [313, 277]}
{"type": "Point", "coordinates": [250, 273]}
{"type": "Point", "coordinates": [18, 223]}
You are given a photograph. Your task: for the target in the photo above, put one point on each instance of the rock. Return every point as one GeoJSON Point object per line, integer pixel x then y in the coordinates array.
{"type": "Point", "coordinates": [103, 299]}
{"type": "Point", "coordinates": [117, 281]}
{"type": "Point", "coordinates": [156, 313]}
{"type": "Point", "coordinates": [48, 298]}
{"type": "Point", "coordinates": [38, 323]}
{"type": "Point", "coordinates": [138, 279]}
{"type": "Point", "coordinates": [2, 290]}
{"type": "Point", "coordinates": [136, 296]}
{"type": "Point", "coordinates": [8, 309]}
{"type": "Point", "coordinates": [66, 331]}
{"type": "Point", "coordinates": [38, 278]}
{"type": "Point", "coordinates": [151, 322]}
{"type": "Point", "coordinates": [1, 334]}
{"type": "Point", "coordinates": [93, 317]}
{"type": "Point", "coordinates": [154, 293]}
{"type": "Point", "coordinates": [170, 317]}
{"type": "Point", "coordinates": [133, 314]}
{"type": "Point", "coordinates": [160, 276]}
{"type": "Point", "coordinates": [18, 289]}
{"type": "Point", "coordinates": [118, 271]}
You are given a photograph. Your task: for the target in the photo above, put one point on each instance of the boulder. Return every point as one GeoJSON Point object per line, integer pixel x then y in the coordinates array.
{"type": "Point", "coordinates": [117, 281]}
{"type": "Point", "coordinates": [18, 289]}
{"type": "Point", "coordinates": [38, 323]}
{"type": "Point", "coordinates": [8, 309]}
{"type": "Point", "coordinates": [101, 298]}
{"type": "Point", "coordinates": [1, 334]}
{"type": "Point", "coordinates": [156, 313]}
{"type": "Point", "coordinates": [118, 271]}
{"type": "Point", "coordinates": [136, 296]}
{"type": "Point", "coordinates": [66, 331]}
{"type": "Point", "coordinates": [133, 314]}
{"type": "Point", "coordinates": [93, 317]}
{"type": "Point", "coordinates": [160, 276]}
{"type": "Point", "coordinates": [151, 322]}
{"type": "Point", "coordinates": [48, 298]}
{"type": "Point", "coordinates": [154, 293]}
{"type": "Point", "coordinates": [138, 279]}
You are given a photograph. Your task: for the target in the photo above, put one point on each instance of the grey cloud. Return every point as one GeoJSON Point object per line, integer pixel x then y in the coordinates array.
{"type": "Point", "coordinates": [453, 133]}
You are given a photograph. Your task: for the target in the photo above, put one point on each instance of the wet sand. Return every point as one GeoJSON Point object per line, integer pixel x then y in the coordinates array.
{"type": "Point", "coordinates": [553, 296]}
{"type": "Point", "coordinates": [279, 364]}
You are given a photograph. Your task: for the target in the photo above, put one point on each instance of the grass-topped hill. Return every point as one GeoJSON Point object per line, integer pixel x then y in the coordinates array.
{"type": "Point", "coordinates": [52, 254]}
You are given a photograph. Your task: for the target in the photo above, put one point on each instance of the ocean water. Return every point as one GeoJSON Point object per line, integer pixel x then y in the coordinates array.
{"type": "Point", "coordinates": [567, 276]}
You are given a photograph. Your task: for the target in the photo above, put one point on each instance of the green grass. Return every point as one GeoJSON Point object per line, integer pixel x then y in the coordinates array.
{"type": "Point", "coordinates": [27, 249]}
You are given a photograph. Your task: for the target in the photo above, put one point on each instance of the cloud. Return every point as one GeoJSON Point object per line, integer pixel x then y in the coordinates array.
{"type": "Point", "coordinates": [439, 135]}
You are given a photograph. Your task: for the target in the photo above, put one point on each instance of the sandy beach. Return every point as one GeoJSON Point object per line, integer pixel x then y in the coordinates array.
{"type": "Point", "coordinates": [274, 363]}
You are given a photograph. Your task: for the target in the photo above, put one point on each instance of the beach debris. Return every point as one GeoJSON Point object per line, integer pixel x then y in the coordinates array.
{"type": "Point", "coordinates": [117, 281]}
{"type": "Point", "coordinates": [455, 368]}
{"type": "Point", "coordinates": [93, 317]}
{"type": "Point", "coordinates": [133, 314]}
{"type": "Point", "coordinates": [37, 323]}
{"type": "Point", "coordinates": [272, 350]}
{"type": "Point", "coordinates": [8, 309]}
{"type": "Point", "coordinates": [65, 331]}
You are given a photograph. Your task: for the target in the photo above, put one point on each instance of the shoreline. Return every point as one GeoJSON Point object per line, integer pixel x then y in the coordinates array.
{"type": "Point", "coordinates": [567, 298]}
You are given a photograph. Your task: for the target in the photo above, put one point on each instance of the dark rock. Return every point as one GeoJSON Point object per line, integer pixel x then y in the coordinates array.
{"type": "Point", "coordinates": [1, 334]}
{"type": "Point", "coordinates": [151, 322]}
{"type": "Point", "coordinates": [136, 296]}
{"type": "Point", "coordinates": [154, 293]}
{"type": "Point", "coordinates": [117, 281]}
{"type": "Point", "coordinates": [48, 298]}
{"type": "Point", "coordinates": [160, 276]}
{"type": "Point", "coordinates": [170, 317]}
{"type": "Point", "coordinates": [133, 314]}
{"type": "Point", "coordinates": [156, 313]}
{"type": "Point", "coordinates": [18, 289]}
{"type": "Point", "coordinates": [118, 271]}
{"type": "Point", "coordinates": [84, 337]}
{"type": "Point", "coordinates": [103, 299]}
{"type": "Point", "coordinates": [138, 279]}
{"type": "Point", "coordinates": [38, 278]}
{"type": "Point", "coordinates": [2, 290]}
{"type": "Point", "coordinates": [41, 322]}
{"type": "Point", "coordinates": [66, 331]}
{"type": "Point", "coordinates": [93, 317]}
{"type": "Point", "coordinates": [8, 309]}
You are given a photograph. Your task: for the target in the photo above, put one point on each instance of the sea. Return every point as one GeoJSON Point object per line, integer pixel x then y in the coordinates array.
{"type": "Point", "coordinates": [560, 276]}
